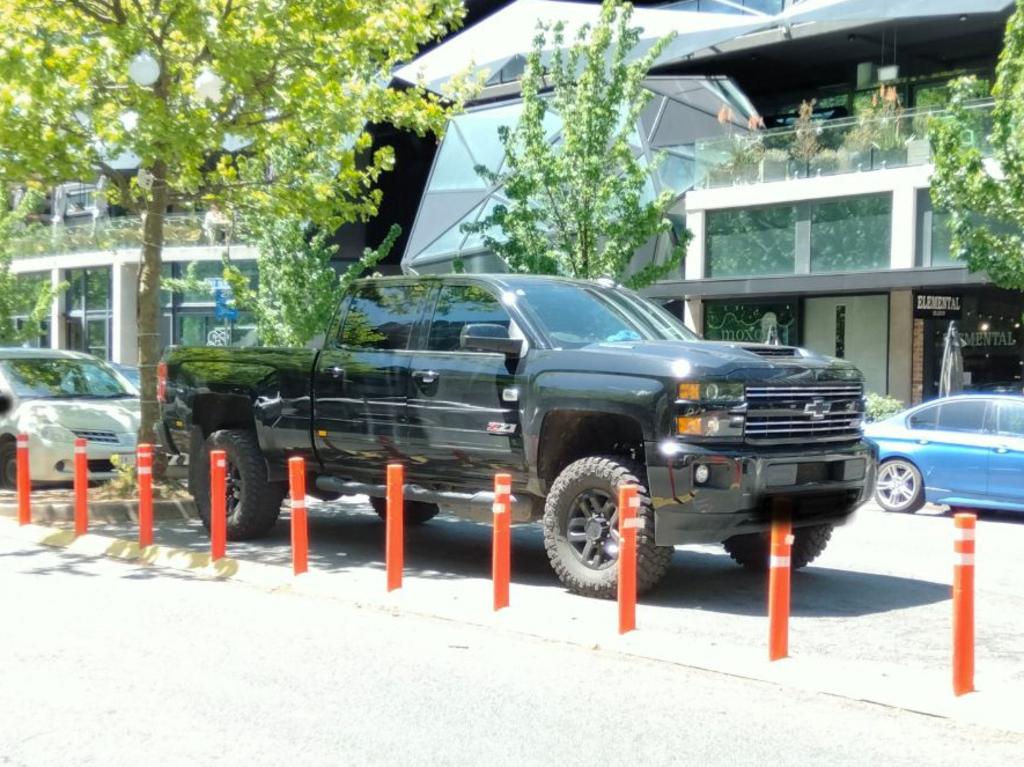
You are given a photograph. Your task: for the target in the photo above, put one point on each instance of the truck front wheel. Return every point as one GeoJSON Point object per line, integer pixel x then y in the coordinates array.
{"type": "Point", "coordinates": [581, 532]}
{"type": "Point", "coordinates": [253, 503]}
{"type": "Point", "coordinates": [752, 550]}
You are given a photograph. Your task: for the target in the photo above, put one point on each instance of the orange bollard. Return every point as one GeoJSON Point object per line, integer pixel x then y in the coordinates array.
{"type": "Point", "coordinates": [300, 524]}
{"type": "Point", "coordinates": [963, 603]}
{"type": "Point", "coordinates": [501, 548]}
{"type": "Point", "coordinates": [144, 472]}
{"type": "Point", "coordinates": [395, 527]}
{"type": "Point", "coordinates": [778, 586]}
{"type": "Point", "coordinates": [24, 482]}
{"type": "Point", "coordinates": [629, 505]}
{"type": "Point", "coordinates": [218, 504]}
{"type": "Point", "coordinates": [81, 488]}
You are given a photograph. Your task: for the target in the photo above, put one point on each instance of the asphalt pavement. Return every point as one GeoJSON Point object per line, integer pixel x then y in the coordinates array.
{"type": "Point", "coordinates": [108, 663]}
{"type": "Point", "coordinates": [880, 593]}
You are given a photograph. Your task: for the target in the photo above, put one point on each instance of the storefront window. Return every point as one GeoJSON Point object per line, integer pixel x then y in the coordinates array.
{"type": "Point", "coordinates": [750, 322]}
{"type": "Point", "coordinates": [87, 311]}
{"type": "Point", "coordinates": [991, 339]}
{"type": "Point", "coordinates": [191, 318]}
{"type": "Point", "coordinates": [851, 234]}
{"type": "Point", "coordinates": [751, 241]}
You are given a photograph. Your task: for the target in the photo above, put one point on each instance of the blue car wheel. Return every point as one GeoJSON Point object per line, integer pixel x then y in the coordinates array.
{"type": "Point", "coordinates": [899, 487]}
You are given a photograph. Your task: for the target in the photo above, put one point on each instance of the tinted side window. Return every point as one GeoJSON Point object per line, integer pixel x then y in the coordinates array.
{"type": "Point", "coordinates": [924, 419]}
{"type": "Point", "coordinates": [962, 416]}
{"type": "Point", "coordinates": [382, 316]}
{"type": "Point", "coordinates": [458, 306]}
{"type": "Point", "coordinates": [1011, 418]}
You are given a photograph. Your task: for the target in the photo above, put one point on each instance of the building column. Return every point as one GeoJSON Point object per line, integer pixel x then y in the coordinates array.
{"type": "Point", "coordinates": [904, 227]}
{"type": "Point", "coordinates": [901, 345]}
{"type": "Point", "coordinates": [124, 342]}
{"type": "Point", "coordinates": [693, 268]}
{"type": "Point", "coordinates": [58, 333]}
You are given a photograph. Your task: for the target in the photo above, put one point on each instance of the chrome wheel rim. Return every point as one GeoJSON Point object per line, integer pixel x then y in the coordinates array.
{"type": "Point", "coordinates": [897, 485]}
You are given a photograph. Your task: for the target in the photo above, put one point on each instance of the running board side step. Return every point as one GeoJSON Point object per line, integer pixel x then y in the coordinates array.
{"type": "Point", "coordinates": [474, 506]}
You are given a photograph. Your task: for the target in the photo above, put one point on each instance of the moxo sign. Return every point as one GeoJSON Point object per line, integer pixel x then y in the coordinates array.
{"type": "Point", "coordinates": [937, 306]}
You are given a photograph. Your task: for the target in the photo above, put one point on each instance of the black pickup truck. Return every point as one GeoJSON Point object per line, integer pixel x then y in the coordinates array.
{"type": "Point", "coordinates": [573, 387]}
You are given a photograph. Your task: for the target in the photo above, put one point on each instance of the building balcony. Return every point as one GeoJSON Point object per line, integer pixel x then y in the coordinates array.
{"type": "Point", "coordinates": [118, 233]}
{"type": "Point", "coordinates": [897, 139]}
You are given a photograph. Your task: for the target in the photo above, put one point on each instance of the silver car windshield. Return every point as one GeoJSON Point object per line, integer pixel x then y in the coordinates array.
{"type": "Point", "coordinates": [63, 378]}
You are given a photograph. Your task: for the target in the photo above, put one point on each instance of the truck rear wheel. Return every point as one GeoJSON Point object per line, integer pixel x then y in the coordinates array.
{"type": "Point", "coordinates": [752, 550]}
{"type": "Point", "coordinates": [414, 512]}
{"type": "Point", "coordinates": [253, 503]}
{"type": "Point", "coordinates": [581, 527]}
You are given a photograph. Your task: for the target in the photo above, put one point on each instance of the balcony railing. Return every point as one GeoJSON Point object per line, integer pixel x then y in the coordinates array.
{"type": "Point", "coordinates": [850, 145]}
{"type": "Point", "coordinates": [119, 233]}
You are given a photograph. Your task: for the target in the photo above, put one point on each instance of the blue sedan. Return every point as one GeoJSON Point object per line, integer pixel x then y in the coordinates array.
{"type": "Point", "coordinates": [960, 451]}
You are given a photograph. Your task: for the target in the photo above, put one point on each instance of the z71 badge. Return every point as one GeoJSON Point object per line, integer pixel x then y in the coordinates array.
{"type": "Point", "coordinates": [497, 427]}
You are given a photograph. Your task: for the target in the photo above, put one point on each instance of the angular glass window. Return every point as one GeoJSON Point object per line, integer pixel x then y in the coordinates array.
{"type": "Point", "coordinates": [454, 167]}
{"type": "Point", "coordinates": [480, 132]}
{"type": "Point", "coordinates": [476, 239]}
{"type": "Point", "coordinates": [451, 240]}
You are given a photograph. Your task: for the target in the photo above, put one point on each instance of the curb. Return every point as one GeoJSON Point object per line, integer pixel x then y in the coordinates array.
{"type": "Point", "coordinates": [112, 511]}
{"type": "Point", "coordinates": [917, 691]}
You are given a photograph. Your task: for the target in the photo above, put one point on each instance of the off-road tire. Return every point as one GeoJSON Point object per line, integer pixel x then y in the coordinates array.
{"type": "Point", "coordinates": [259, 501]}
{"type": "Point", "coordinates": [608, 474]}
{"type": "Point", "coordinates": [752, 550]}
{"type": "Point", "coordinates": [8, 464]}
{"type": "Point", "coordinates": [414, 512]}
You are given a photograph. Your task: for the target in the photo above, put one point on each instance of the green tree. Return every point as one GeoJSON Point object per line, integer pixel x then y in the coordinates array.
{"type": "Point", "coordinates": [985, 201]}
{"type": "Point", "coordinates": [578, 207]}
{"type": "Point", "coordinates": [292, 83]}
{"type": "Point", "coordinates": [17, 295]}
{"type": "Point", "coordinates": [299, 291]}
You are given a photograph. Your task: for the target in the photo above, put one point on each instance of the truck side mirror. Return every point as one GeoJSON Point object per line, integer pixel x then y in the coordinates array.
{"type": "Point", "coordinates": [488, 337]}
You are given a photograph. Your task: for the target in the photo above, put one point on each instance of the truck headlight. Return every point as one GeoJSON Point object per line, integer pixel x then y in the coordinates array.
{"type": "Point", "coordinates": [711, 391]}
{"type": "Point", "coordinates": [710, 424]}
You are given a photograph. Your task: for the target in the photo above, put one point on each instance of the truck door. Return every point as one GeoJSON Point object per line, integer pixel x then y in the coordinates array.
{"type": "Point", "coordinates": [361, 381]}
{"type": "Point", "coordinates": [463, 405]}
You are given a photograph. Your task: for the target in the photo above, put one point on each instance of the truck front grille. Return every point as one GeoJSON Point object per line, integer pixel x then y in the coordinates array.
{"type": "Point", "coordinates": [795, 413]}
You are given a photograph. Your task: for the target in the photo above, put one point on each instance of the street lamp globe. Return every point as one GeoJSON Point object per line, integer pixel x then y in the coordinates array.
{"type": "Point", "coordinates": [208, 86]}
{"type": "Point", "coordinates": [144, 69]}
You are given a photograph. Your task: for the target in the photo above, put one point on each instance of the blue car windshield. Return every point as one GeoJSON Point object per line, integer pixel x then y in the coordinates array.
{"type": "Point", "coordinates": [573, 316]}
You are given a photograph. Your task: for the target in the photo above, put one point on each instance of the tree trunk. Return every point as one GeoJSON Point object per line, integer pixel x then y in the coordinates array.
{"type": "Point", "coordinates": [149, 302]}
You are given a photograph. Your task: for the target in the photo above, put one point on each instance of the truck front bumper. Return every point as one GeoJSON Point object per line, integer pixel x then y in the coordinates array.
{"type": "Point", "coordinates": [823, 486]}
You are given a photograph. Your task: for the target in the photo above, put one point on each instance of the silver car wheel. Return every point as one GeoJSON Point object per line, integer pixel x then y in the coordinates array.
{"type": "Point", "coordinates": [897, 485]}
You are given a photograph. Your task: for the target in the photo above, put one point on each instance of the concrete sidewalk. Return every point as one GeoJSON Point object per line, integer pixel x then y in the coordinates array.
{"type": "Point", "coordinates": [678, 636]}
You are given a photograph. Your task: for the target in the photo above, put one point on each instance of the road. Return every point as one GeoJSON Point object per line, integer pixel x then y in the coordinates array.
{"type": "Point", "coordinates": [106, 663]}
{"type": "Point", "coordinates": [880, 593]}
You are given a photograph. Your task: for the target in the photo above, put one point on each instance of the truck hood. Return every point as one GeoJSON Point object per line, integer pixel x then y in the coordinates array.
{"type": "Point", "coordinates": [723, 360]}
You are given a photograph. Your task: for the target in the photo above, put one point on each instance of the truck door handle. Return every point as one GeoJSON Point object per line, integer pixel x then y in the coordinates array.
{"type": "Point", "coordinates": [922, 442]}
{"type": "Point", "coordinates": [336, 371]}
{"type": "Point", "coordinates": [1002, 449]}
{"type": "Point", "coordinates": [425, 376]}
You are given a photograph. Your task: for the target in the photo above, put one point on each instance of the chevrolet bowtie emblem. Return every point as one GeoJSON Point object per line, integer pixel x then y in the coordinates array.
{"type": "Point", "coordinates": [817, 409]}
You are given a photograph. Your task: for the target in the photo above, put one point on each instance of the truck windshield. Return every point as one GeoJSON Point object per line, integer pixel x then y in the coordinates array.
{"type": "Point", "coordinates": [573, 316]}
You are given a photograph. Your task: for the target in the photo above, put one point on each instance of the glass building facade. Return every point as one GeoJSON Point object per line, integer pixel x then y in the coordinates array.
{"type": "Point", "coordinates": [680, 110]}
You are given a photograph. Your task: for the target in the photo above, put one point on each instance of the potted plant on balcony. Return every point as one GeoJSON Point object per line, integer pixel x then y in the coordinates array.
{"type": "Point", "coordinates": [775, 165]}
{"type": "Point", "coordinates": [805, 140]}
{"type": "Point", "coordinates": [878, 139]}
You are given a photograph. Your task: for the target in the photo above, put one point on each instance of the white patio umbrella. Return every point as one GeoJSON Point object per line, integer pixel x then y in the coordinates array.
{"type": "Point", "coordinates": [884, 10]}
{"type": "Point", "coordinates": [951, 377]}
{"type": "Point", "coordinates": [492, 42]}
